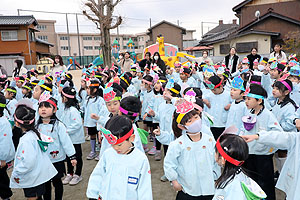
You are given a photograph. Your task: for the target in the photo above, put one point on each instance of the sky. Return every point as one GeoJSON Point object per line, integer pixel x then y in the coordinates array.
{"type": "Point", "coordinates": [136, 14]}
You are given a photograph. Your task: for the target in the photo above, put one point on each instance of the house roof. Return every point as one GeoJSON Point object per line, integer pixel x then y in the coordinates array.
{"type": "Point", "coordinates": [166, 22]}
{"type": "Point", "coordinates": [18, 20]}
{"type": "Point", "coordinates": [220, 32]}
{"type": "Point", "coordinates": [242, 4]}
{"type": "Point", "coordinates": [199, 48]}
{"type": "Point", "coordinates": [43, 42]}
{"type": "Point", "coordinates": [267, 15]}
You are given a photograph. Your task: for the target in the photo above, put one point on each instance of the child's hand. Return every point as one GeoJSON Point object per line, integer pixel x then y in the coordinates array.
{"type": "Point", "coordinates": [151, 112]}
{"type": "Point", "coordinates": [157, 131]}
{"type": "Point", "coordinates": [99, 137]}
{"type": "Point", "coordinates": [74, 162]}
{"type": "Point", "coordinates": [206, 102]}
{"type": "Point", "coordinates": [297, 121]}
{"type": "Point", "coordinates": [94, 116]}
{"type": "Point", "coordinates": [249, 138]}
{"type": "Point", "coordinates": [176, 186]}
{"type": "Point", "coordinates": [227, 107]}
{"type": "Point", "coordinates": [3, 164]}
{"type": "Point", "coordinates": [145, 115]}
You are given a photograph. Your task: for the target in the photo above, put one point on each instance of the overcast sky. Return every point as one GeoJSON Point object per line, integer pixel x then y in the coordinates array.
{"type": "Point", "coordinates": [136, 13]}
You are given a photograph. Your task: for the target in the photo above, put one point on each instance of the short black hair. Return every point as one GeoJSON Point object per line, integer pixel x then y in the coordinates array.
{"type": "Point", "coordinates": [132, 104]}
{"type": "Point", "coordinates": [119, 125]}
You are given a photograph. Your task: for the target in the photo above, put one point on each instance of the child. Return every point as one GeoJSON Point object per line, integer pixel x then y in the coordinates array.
{"type": "Point", "coordinates": [73, 122]}
{"type": "Point", "coordinates": [154, 103]}
{"type": "Point", "coordinates": [231, 152]}
{"type": "Point", "coordinates": [19, 83]}
{"type": "Point", "coordinates": [49, 124]}
{"type": "Point", "coordinates": [32, 167]}
{"type": "Point", "coordinates": [218, 103]}
{"type": "Point", "coordinates": [123, 171]}
{"type": "Point", "coordinates": [10, 96]}
{"type": "Point", "coordinates": [3, 83]}
{"type": "Point", "coordinates": [289, 176]}
{"type": "Point", "coordinates": [38, 90]}
{"type": "Point", "coordinates": [238, 108]}
{"type": "Point", "coordinates": [130, 107]}
{"type": "Point", "coordinates": [295, 78]}
{"type": "Point", "coordinates": [260, 161]}
{"type": "Point", "coordinates": [27, 91]}
{"type": "Point", "coordinates": [94, 104]}
{"type": "Point", "coordinates": [284, 110]}
{"type": "Point", "coordinates": [146, 95]}
{"type": "Point", "coordinates": [185, 79]}
{"type": "Point", "coordinates": [82, 94]}
{"type": "Point", "coordinates": [137, 81]}
{"type": "Point", "coordinates": [189, 163]}
{"type": "Point", "coordinates": [7, 151]}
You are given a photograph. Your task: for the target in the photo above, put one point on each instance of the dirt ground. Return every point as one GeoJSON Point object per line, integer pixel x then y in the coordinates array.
{"type": "Point", "coordinates": [161, 191]}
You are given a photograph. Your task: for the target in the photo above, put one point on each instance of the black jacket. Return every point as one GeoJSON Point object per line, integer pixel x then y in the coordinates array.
{"type": "Point", "coordinates": [251, 58]}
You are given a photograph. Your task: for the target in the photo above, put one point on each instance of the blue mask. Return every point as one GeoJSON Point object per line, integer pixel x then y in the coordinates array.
{"type": "Point", "coordinates": [195, 127]}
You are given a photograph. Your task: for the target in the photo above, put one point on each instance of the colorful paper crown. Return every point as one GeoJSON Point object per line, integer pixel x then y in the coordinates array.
{"type": "Point", "coordinates": [295, 71]}
{"type": "Point", "coordinates": [249, 122]}
{"type": "Point", "coordinates": [170, 83]}
{"type": "Point", "coordinates": [273, 59]}
{"type": "Point", "coordinates": [245, 60]}
{"type": "Point", "coordinates": [184, 107]}
{"type": "Point", "coordinates": [190, 96]}
{"type": "Point", "coordinates": [238, 83]}
{"type": "Point", "coordinates": [207, 72]}
{"type": "Point", "coordinates": [255, 62]}
{"type": "Point", "coordinates": [293, 56]}
{"type": "Point", "coordinates": [293, 63]}
{"type": "Point", "coordinates": [109, 95]}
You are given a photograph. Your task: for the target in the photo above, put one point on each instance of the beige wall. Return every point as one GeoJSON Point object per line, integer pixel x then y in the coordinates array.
{"type": "Point", "coordinates": [50, 33]}
{"type": "Point", "coordinates": [260, 2]}
{"type": "Point", "coordinates": [264, 43]}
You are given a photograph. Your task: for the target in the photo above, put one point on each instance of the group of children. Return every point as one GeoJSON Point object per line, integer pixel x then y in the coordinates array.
{"type": "Point", "coordinates": [199, 113]}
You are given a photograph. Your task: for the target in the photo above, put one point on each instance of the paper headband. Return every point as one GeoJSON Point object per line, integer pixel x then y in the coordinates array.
{"type": "Point", "coordinates": [23, 121]}
{"type": "Point", "coordinates": [256, 96]}
{"type": "Point", "coordinates": [183, 108]}
{"type": "Point", "coordinates": [127, 112]}
{"type": "Point", "coordinates": [11, 90]}
{"type": "Point", "coordinates": [110, 95]}
{"type": "Point", "coordinates": [45, 97]}
{"type": "Point", "coordinates": [2, 105]}
{"type": "Point", "coordinates": [226, 156]}
{"type": "Point", "coordinates": [112, 139]}
{"type": "Point", "coordinates": [211, 86]}
{"type": "Point", "coordinates": [67, 95]}
{"type": "Point", "coordinates": [286, 85]}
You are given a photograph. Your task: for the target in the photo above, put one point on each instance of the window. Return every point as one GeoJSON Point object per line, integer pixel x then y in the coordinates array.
{"type": "Point", "coordinates": [87, 38]}
{"type": "Point", "coordinates": [41, 27]}
{"type": "Point", "coordinates": [31, 36]}
{"type": "Point", "coordinates": [117, 39]}
{"type": "Point", "coordinates": [124, 47]}
{"type": "Point", "coordinates": [224, 48]}
{"type": "Point", "coordinates": [135, 39]}
{"type": "Point", "coordinates": [141, 47]}
{"type": "Point", "coordinates": [63, 37]}
{"type": "Point", "coordinates": [97, 38]}
{"type": "Point", "coordinates": [135, 47]}
{"type": "Point", "coordinates": [64, 48]}
{"type": "Point", "coordinates": [245, 47]}
{"type": "Point", "coordinates": [96, 47]}
{"type": "Point", "coordinates": [88, 47]}
{"type": "Point", "coordinates": [43, 37]}
{"type": "Point", "coordinates": [9, 35]}
{"type": "Point", "coordinates": [125, 38]}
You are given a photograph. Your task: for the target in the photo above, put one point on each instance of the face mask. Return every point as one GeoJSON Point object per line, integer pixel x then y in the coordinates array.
{"type": "Point", "coordinates": [143, 88]}
{"type": "Point", "coordinates": [155, 57]}
{"type": "Point", "coordinates": [120, 57]}
{"type": "Point", "coordinates": [194, 127]}
{"type": "Point", "coordinates": [260, 67]}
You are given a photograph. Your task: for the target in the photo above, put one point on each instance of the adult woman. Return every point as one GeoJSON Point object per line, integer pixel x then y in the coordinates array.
{"type": "Point", "coordinates": [252, 56]}
{"type": "Point", "coordinates": [159, 62]}
{"type": "Point", "coordinates": [146, 61]}
{"type": "Point", "coordinates": [19, 69]}
{"type": "Point", "coordinates": [278, 53]}
{"type": "Point", "coordinates": [231, 60]}
{"type": "Point", "coordinates": [202, 59]}
{"type": "Point", "coordinates": [58, 65]}
{"type": "Point", "coordinates": [124, 63]}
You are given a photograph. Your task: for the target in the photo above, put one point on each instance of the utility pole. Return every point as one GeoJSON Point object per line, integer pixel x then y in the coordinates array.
{"type": "Point", "coordinates": [68, 33]}
{"type": "Point", "coordinates": [18, 12]}
{"type": "Point", "coordinates": [79, 49]}
{"type": "Point", "coordinates": [150, 23]}
{"type": "Point", "coordinates": [178, 22]}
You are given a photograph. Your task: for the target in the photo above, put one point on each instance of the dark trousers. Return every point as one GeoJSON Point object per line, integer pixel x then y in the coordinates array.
{"type": "Point", "coordinates": [183, 196]}
{"type": "Point", "coordinates": [216, 131]}
{"type": "Point", "coordinates": [158, 146]}
{"type": "Point", "coordinates": [57, 182]}
{"type": "Point", "coordinates": [5, 191]}
{"type": "Point", "coordinates": [262, 172]}
{"type": "Point", "coordinates": [17, 133]}
{"type": "Point", "coordinates": [70, 168]}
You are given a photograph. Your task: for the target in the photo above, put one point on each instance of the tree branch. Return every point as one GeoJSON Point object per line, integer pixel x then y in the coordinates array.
{"type": "Point", "coordinates": [116, 3]}
{"type": "Point", "coordinates": [119, 21]}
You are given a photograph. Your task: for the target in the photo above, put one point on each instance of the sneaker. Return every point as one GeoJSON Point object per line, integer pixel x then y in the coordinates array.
{"type": "Point", "coordinates": [97, 158]}
{"type": "Point", "coordinates": [67, 179]}
{"type": "Point", "coordinates": [163, 179]}
{"type": "Point", "coordinates": [75, 180]}
{"type": "Point", "coordinates": [87, 138]}
{"type": "Point", "coordinates": [152, 151]}
{"type": "Point", "coordinates": [157, 156]}
{"type": "Point", "coordinates": [91, 156]}
{"type": "Point", "coordinates": [146, 149]}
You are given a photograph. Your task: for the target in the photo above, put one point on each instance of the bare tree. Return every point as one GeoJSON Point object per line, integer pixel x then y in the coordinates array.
{"type": "Point", "coordinates": [102, 16]}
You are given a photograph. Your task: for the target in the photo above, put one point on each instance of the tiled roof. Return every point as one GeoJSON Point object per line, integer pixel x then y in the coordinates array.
{"type": "Point", "coordinates": [18, 20]}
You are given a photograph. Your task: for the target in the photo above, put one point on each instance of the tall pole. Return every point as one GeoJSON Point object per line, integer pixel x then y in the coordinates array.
{"type": "Point", "coordinates": [29, 47]}
{"type": "Point", "coordinates": [79, 49]}
{"type": "Point", "coordinates": [18, 12]}
{"type": "Point", "coordinates": [178, 22]}
{"type": "Point", "coordinates": [202, 29]}
{"type": "Point", "coordinates": [150, 23]}
{"type": "Point", "coordinates": [68, 33]}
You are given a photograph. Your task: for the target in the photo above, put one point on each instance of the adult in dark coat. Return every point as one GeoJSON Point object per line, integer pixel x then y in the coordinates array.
{"type": "Point", "coordinates": [252, 56]}
{"type": "Point", "coordinates": [231, 60]}
{"type": "Point", "coordinates": [159, 62]}
{"type": "Point", "coordinates": [146, 61]}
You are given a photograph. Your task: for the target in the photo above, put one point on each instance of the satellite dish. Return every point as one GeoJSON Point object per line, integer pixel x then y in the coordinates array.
{"type": "Point", "coordinates": [257, 14]}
